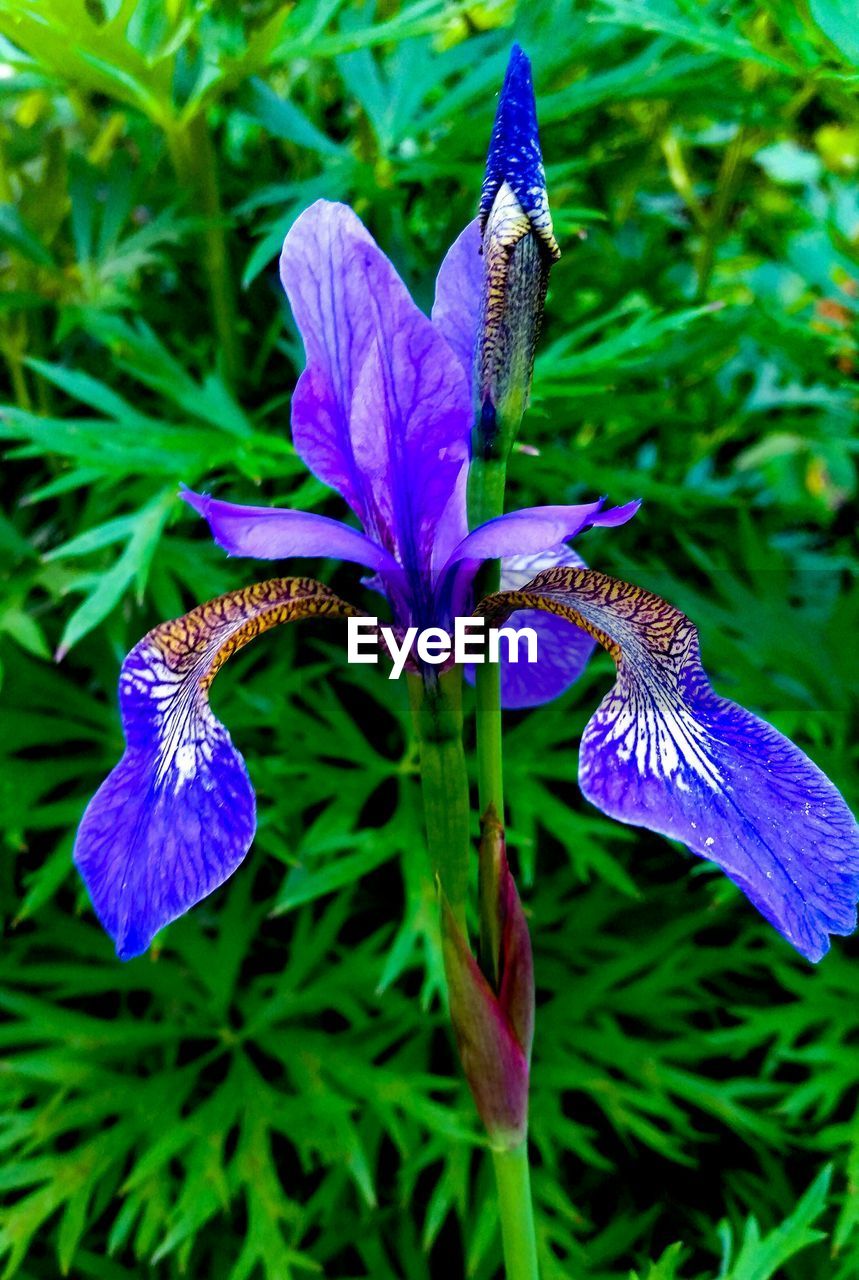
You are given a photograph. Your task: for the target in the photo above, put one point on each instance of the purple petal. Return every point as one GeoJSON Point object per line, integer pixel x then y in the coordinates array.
{"type": "Point", "coordinates": [562, 650]}
{"type": "Point", "coordinates": [411, 443]}
{"type": "Point", "coordinates": [665, 752]}
{"type": "Point", "coordinates": [528, 531]}
{"type": "Point", "coordinates": [177, 815]}
{"type": "Point", "coordinates": [533, 529]}
{"type": "Point", "coordinates": [458, 292]}
{"type": "Point", "coordinates": [383, 410]}
{"type": "Point", "coordinates": [272, 533]}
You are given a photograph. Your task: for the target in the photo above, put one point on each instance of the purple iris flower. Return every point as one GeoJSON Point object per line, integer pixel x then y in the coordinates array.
{"type": "Point", "coordinates": [383, 414]}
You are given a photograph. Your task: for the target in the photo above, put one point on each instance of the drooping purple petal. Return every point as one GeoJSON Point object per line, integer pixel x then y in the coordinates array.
{"type": "Point", "coordinates": [177, 815]}
{"type": "Point", "coordinates": [274, 533]}
{"type": "Point", "coordinates": [665, 752]}
{"type": "Point", "coordinates": [562, 650]}
{"type": "Point", "coordinates": [458, 292]}
{"type": "Point", "coordinates": [383, 410]}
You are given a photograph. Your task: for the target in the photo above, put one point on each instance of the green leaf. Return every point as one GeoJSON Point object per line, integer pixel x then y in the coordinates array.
{"type": "Point", "coordinates": [105, 592]}
{"type": "Point", "coordinates": [283, 119]}
{"type": "Point", "coordinates": [15, 233]}
{"type": "Point", "coordinates": [666, 1268]}
{"type": "Point", "coordinates": [761, 1259]}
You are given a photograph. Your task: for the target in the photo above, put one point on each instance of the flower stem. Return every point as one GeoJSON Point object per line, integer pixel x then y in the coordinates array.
{"type": "Point", "coordinates": [486, 482]}
{"type": "Point", "coordinates": [490, 763]}
{"type": "Point", "coordinates": [437, 719]}
{"type": "Point", "coordinates": [518, 1237]}
{"type": "Point", "coordinates": [486, 485]}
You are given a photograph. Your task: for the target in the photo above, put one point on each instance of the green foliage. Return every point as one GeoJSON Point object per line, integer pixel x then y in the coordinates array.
{"type": "Point", "coordinates": [272, 1093]}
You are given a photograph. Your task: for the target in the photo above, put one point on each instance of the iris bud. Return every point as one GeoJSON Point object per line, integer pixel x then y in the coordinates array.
{"type": "Point", "coordinates": [492, 1007]}
{"type": "Point", "coordinates": [519, 248]}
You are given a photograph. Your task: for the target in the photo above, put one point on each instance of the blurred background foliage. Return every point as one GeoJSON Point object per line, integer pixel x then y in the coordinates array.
{"type": "Point", "coordinates": [271, 1093]}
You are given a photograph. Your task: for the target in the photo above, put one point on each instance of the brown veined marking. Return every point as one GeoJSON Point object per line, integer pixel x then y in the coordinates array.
{"type": "Point", "coordinates": [197, 638]}
{"type": "Point", "coordinates": [654, 643]}
{"type": "Point", "coordinates": [656, 624]}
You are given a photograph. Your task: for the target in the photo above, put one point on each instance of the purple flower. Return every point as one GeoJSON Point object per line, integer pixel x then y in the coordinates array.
{"type": "Point", "coordinates": [382, 413]}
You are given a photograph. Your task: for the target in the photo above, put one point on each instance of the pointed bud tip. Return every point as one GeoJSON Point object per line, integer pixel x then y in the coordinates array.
{"type": "Point", "coordinates": [514, 154]}
{"type": "Point", "coordinates": [517, 77]}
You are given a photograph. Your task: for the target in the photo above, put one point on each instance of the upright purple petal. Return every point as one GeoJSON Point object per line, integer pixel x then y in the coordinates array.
{"type": "Point", "coordinates": [562, 650]}
{"type": "Point", "coordinates": [274, 533]}
{"type": "Point", "coordinates": [383, 410]}
{"type": "Point", "coordinates": [410, 434]}
{"type": "Point", "coordinates": [458, 292]}
{"type": "Point", "coordinates": [177, 815]}
{"type": "Point", "coordinates": [665, 752]}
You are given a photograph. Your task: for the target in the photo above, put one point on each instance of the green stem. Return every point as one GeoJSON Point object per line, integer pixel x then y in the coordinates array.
{"type": "Point", "coordinates": [486, 482]}
{"type": "Point", "coordinates": [195, 162]}
{"type": "Point", "coordinates": [490, 762]}
{"type": "Point", "coordinates": [437, 719]}
{"type": "Point", "coordinates": [487, 479]}
{"type": "Point", "coordinates": [518, 1237]}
